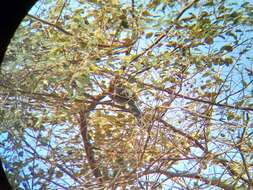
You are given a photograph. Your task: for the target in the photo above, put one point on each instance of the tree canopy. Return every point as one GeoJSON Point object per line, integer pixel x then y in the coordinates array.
{"type": "Point", "coordinates": [186, 66]}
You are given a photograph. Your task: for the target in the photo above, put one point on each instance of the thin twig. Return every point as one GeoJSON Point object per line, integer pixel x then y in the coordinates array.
{"type": "Point", "coordinates": [166, 32]}
{"type": "Point", "coordinates": [50, 24]}
{"type": "Point", "coordinates": [178, 95]}
{"type": "Point", "coordinates": [63, 6]}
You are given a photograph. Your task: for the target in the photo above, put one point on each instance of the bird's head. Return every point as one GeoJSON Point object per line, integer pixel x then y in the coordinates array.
{"type": "Point", "coordinates": [113, 83]}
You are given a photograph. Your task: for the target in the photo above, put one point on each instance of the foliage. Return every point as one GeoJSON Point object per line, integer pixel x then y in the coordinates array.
{"type": "Point", "coordinates": [189, 65]}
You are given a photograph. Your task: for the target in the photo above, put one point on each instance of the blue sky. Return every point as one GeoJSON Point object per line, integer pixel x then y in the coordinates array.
{"type": "Point", "coordinates": [247, 63]}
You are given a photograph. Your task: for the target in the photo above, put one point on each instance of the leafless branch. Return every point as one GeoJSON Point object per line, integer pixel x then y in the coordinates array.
{"type": "Point", "coordinates": [50, 24]}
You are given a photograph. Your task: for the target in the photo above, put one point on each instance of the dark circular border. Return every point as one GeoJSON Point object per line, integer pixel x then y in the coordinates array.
{"type": "Point", "coordinates": [12, 13]}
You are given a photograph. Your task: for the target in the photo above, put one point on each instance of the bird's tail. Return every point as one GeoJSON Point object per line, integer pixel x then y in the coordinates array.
{"type": "Point", "coordinates": [134, 109]}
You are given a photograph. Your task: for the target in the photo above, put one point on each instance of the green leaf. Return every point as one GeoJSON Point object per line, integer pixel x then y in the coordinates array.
{"type": "Point", "coordinates": [230, 115]}
{"type": "Point", "coordinates": [146, 13]}
{"type": "Point", "coordinates": [44, 141]}
{"type": "Point", "coordinates": [149, 34]}
{"type": "Point", "coordinates": [228, 61]}
{"type": "Point", "coordinates": [209, 40]}
{"type": "Point", "coordinates": [59, 174]}
{"type": "Point", "coordinates": [124, 23]}
{"type": "Point", "coordinates": [227, 47]}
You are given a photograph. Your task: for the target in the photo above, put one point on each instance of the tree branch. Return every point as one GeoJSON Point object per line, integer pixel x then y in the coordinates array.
{"type": "Point", "coordinates": [214, 182]}
{"type": "Point", "coordinates": [175, 130]}
{"type": "Point", "coordinates": [178, 95]}
{"type": "Point", "coordinates": [88, 146]}
{"type": "Point", "coordinates": [208, 102]}
{"type": "Point", "coordinates": [50, 24]}
{"type": "Point", "coordinates": [159, 38]}
{"type": "Point", "coordinates": [86, 138]}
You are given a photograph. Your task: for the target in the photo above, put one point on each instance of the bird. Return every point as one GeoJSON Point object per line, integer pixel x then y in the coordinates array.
{"type": "Point", "coordinates": [121, 94]}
